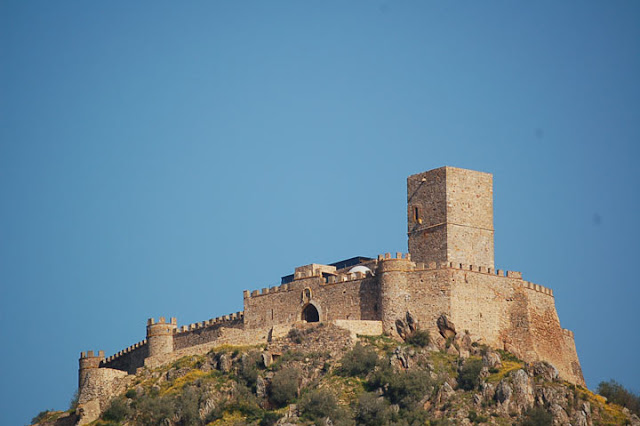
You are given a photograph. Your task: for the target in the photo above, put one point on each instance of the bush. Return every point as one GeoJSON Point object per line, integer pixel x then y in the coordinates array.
{"type": "Point", "coordinates": [245, 402]}
{"type": "Point", "coordinates": [73, 404]}
{"type": "Point", "coordinates": [536, 417]}
{"type": "Point", "coordinates": [117, 411]}
{"type": "Point", "coordinates": [468, 378]}
{"type": "Point", "coordinates": [477, 418]}
{"type": "Point", "coordinates": [441, 422]}
{"type": "Point", "coordinates": [358, 362]}
{"type": "Point", "coordinates": [248, 370]}
{"type": "Point", "coordinates": [186, 405]}
{"type": "Point", "coordinates": [402, 388]}
{"type": "Point", "coordinates": [269, 419]}
{"type": "Point", "coordinates": [372, 410]}
{"type": "Point", "coordinates": [40, 416]}
{"type": "Point", "coordinates": [318, 405]}
{"type": "Point", "coordinates": [153, 410]}
{"type": "Point", "coordinates": [284, 386]}
{"type": "Point", "coordinates": [616, 393]}
{"type": "Point", "coordinates": [295, 335]}
{"type": "Point", "coordinates": [420, 338]}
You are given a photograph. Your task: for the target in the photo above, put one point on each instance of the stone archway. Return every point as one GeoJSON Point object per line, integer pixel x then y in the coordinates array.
{"type": "Point", "coordinates": [310, 313]}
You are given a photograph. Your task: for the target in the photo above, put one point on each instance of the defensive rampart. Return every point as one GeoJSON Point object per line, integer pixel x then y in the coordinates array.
{"type": "Point", "coordinates": [450, 273]}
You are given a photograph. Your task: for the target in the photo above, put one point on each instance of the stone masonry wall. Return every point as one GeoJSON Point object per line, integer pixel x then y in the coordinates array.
{"type": "Point", "coordinates": [207, 334]}
{"type": "Point", "coordinates": [407, 287]}
{"type": "Point", "coordinates": [426, 216]}
{"type": "Point", "coordinates": [356, 298]}
{"type": "Point", "coordinates": [510, 313]}
{"type": "Point", "coordinates": [128, 359]}
{"type": "Point", "coordinates": [497, 308]}
{"type": "Point", "coordinates": [450, 216]}
{"type": "Point", "coordinates": [549, 338]}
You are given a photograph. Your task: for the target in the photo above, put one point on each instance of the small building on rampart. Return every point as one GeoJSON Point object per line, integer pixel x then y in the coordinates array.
{"type": "Point", "coordinates": [448, 272]}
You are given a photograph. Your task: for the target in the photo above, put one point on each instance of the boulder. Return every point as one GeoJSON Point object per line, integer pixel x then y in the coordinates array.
{"type": "Point", "coordinates": [503, 391]}
{"type": "Point", "coordinates": [446, 328]}
{"type": "Point", "coordinates": [580, 419]}
{"type": "Point", "coordinates": [491, 359]}
{"type": "Point", "coordinates": [224, 363]}
{"type": "Point", "coordinates": [402, 357]}
{"type": "Point", "coordinates": [412, 323]}
{"type": "Point", "coordinates": [261, 387]}
{"type": "Point", "coordinates": [545, 370]}
{"type": "Point", "coordinates": [488, 391]}
{"type": "Point", "coordinates": [267, 359]}
{"type": "Point", "coordinates": [402, 329]}
{"type": "Point", "coordinates": [559, 415]}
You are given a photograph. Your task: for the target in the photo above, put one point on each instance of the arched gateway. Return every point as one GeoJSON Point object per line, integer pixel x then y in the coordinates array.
{"type": "Point", "coordinates": [310, 313]}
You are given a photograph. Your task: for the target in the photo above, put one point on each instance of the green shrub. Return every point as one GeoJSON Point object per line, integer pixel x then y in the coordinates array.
{"type": "Point", "coordinates": [508, 356]}
{"type": "Point", "coordinates": [441, 422]}
{"type": "Point", "coordinates": [248, 370]}
{"type": "Point", "coordinates": [420, 338]}
{"type": "Point", "coordinates": [186, 405]}
{"type": "Point", "coordinates": [477, 418]}
{"type": "Point", "coordinates": [131, 394]}
{"type": "Point", "coordinates": [117, 411]}
{"type": "Point", "coordinates": [284, 386]}
{"type": "Point", "coordinates": [269, 418]}
{"type": "Point", "coordinates": [245, 402]}
{"type": "Point", "coordinates": [318, 405]}
{"type": "Point", "coordinates": [402, 388]}
{"type": "Point", "coordinates": [372, 410]}
{"type": "Point", "coordinates": [616, 393]}
{"type": "Point", "coordinates": [468, 378]}
{"type": "Point", "coordinates": [154, 409]}
{"type": "Point", "coordinates": [536, 417]}
{"type": "Point", "coordinates": [73, 404]}
{"type": "Point", "coordinates": [358, 362]}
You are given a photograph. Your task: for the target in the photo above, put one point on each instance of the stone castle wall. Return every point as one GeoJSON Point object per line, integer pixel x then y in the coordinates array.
{"type": "Point", "coordinates": [205, 332]}
{"type": "Point", "coordinates": [494, 307]}
{"type": "Point", "coordinates": [129, 359]}
{"type": "Point", "coordinates": [343, 296]}
{"type": "Point", "coordinates": [449, 271]}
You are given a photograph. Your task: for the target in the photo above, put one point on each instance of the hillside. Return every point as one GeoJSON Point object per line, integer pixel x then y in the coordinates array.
{"type": "Point", "coordinates": [320, 374]}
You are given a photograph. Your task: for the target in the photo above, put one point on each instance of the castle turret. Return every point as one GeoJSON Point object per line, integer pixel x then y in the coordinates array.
{"type": "Point", "coordinates": [450, 217]}
{"type": "Point", "coordinates": [88, 361]}
{"type": "Point", "coordinates": [160, 336]}
{"type": "Point", "coordinates": [394, 292]}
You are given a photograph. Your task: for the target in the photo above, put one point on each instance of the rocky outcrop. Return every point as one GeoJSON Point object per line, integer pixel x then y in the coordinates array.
{"type": "Point", "coordinates": [446, 327]}
{"type": "Point", "coordinates": [429, 380]}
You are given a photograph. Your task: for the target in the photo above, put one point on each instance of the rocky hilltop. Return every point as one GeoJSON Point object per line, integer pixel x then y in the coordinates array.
{"type": "Point", "coordinates": [322, 374]}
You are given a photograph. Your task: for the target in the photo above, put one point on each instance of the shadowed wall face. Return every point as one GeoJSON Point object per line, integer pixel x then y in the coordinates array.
{"type": "Point", "coordinates": [450, 216]}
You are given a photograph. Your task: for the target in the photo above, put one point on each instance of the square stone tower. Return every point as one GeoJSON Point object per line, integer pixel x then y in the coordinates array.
{"type": "Point", "coordinates": [450, 216]}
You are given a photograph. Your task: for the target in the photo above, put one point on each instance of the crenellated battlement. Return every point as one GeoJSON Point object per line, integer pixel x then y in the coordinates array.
{"type": "Point", "coordinates": [125, 351]}
{"type": "Point", "coordinates": [538, 288]}
{"type": "Point", "coordinates": [399, 256]}
{"type": "Point", "coordinates": [91, 354]}
{"type": "Point", "coordinates": [449, 270]}
{"type": "Point", "coordinates": [346, 277]}
{"type": "Point", "coordinates": [211, 322]}
{"type": "Point", "coordinates": [161, 321]}
{"type": "Point", "coordinates": [266, 290]}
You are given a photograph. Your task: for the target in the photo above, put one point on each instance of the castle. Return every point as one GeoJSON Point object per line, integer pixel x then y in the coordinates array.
{"type": "Point", "coordinates": [448, 273]}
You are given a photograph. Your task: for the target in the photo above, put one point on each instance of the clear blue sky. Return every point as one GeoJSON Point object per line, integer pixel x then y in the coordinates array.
{"type": "Point", "coordinates": [157, 158]}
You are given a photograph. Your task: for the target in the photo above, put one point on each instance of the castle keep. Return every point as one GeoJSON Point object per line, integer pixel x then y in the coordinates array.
{"type": "Point", "coordinates": [448, 273]}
